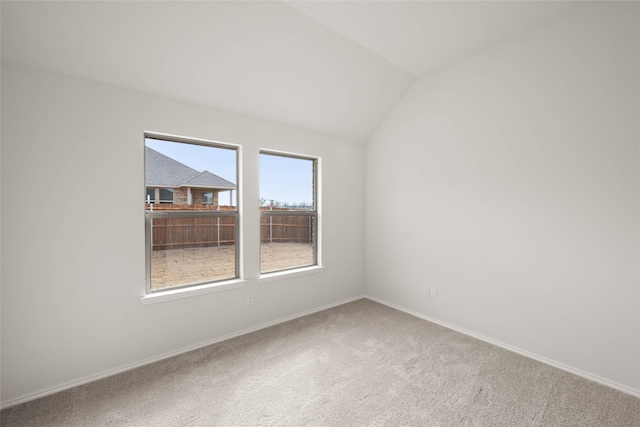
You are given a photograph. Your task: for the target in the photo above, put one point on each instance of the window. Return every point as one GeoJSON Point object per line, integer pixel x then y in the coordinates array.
{"type": "Point", "coordinates": [159, 195]}
{"type": "Point", "coordinates": [288, 211]}
{"type": "Point", "coordinates": [166, 195]}
{"type": "Point", "coordinates": [187, 242]}
{"type": "Point", "coordinates": [207, 198]}
{"type": "Point", "coordinates": [151, 195]}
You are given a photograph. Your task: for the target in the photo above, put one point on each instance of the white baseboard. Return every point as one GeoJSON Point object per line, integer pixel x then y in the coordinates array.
{"type": "Point", "coordinates": [569, 369]}
{"type": "Point", "coordinates": [163, 356]}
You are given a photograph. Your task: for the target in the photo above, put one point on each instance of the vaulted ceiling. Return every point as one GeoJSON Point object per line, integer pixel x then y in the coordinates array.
{"type": "Point", "coordinates": [334, 67]}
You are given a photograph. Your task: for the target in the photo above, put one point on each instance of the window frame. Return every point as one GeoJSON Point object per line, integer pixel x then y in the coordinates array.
{"type": "Point", "coordinates": [315, 211]}
{"type": "Point", "coordinates": [179, 291]}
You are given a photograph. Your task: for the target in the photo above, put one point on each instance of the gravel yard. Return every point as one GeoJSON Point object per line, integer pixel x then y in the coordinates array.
{"type": "Point", "coordinates": [174, 267]}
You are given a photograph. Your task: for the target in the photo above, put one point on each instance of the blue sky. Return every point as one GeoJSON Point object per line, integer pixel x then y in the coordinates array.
{"type": "Point", "coordinates": [283, 179]}
{"type": "Point", "coordinates": [286, 179]}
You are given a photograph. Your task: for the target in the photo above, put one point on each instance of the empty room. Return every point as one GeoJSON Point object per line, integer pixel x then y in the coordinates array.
{"type": "Point", "coordinates": [287, 213]}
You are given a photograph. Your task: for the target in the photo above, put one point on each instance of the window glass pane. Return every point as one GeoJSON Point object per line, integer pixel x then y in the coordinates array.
{"type": "Point", "coordinates": [287, 241]}
{"type": "Point", "coordinates": [191, 213]}
{"type": "Point", "coordinates": [185, 171]}
{"type": "Point", "coordinates": [288, 229]}
{"type": "Point", "coordinates": [207, 198]}
{"type": "Point", "coordinates": [286, 182]}
{"type": "Point", "coordinates": [191, 250]}
{"type": "Point", "coordinates": [166, 195]}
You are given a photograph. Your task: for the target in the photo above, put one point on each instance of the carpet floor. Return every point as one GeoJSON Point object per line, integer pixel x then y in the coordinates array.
{"type": "Point", "coordinates": [359, 364]}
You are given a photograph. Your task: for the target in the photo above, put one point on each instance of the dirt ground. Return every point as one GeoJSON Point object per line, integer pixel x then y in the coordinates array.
{"type": "Point", "coordinates": [175, 267]}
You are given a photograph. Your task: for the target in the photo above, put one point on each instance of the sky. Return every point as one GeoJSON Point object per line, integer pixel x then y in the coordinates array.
{"type": "Point", "coordinates": [282, 179]}
{"type": "Point", "coordinates": [286, 179]}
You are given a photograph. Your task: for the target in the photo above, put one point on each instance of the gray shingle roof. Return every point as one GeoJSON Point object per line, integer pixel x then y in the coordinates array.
{"type": "Point", "coordinates": [163, 171]}
{"type": "Point", "coordinates": [208, 179]}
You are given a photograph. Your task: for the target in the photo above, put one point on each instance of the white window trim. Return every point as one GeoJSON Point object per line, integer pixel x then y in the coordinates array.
{"type": "Point", "coordinates": [287, 274]}
{"type": "Point", "coordinates": [172, 294]}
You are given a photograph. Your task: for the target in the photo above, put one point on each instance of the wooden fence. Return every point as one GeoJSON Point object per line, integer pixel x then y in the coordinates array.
{"type": "Point", "coordinates": [192, 232]}
{"type": "Point", "coordinates": [172, 207]}
{"type": "Point", "coordinates": [196, 232]}
{"type": "Point", "coordinates": [287, 228]}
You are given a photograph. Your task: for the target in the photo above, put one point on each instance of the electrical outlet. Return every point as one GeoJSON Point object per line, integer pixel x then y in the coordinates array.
{"type": "Point", "coordinates": [426, 291]}
{"type": "Point", "coordinates": [433, 292]}
{"type": "Point", "coordinates": [250, 299]}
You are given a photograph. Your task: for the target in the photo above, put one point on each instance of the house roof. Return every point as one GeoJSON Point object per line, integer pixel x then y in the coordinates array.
{"type": "Point", "coordinates": [208, 179]}
{"type": "Point", "coordinates": [163, 171]}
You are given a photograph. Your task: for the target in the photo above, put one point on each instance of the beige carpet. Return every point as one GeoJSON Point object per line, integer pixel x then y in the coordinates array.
{"type": "Point", "coordinates": [359, 364]}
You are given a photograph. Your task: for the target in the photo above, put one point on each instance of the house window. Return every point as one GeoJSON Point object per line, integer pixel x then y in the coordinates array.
{"type": "Point", "coordinates": [288, 211]}
{"type": "Point", "coordinates": [207, 198]}
{"type": "Point", "coordinates": [166, 195]}
{"type": "Point", "coordinates": [159, 195]}
{"type": "Point", "coordinates": [189, 244]}
{"type": "Point", "coordinates": [151, 195]}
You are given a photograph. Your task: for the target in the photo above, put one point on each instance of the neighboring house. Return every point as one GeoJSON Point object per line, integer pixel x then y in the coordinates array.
{"type": "Point", "coordinates": [169, 181]}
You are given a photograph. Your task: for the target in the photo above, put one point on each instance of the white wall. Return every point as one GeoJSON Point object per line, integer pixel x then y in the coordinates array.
{"type": "Point", "coordinates": [73, 230]}
{"type": "Point", "coordinates": [513, 188]}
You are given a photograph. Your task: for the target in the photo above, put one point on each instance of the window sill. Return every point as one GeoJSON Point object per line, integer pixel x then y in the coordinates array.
{"type": "Point", "coordinates": [286, 274]}
{"type": "Point", "coordinates": [191, 291]}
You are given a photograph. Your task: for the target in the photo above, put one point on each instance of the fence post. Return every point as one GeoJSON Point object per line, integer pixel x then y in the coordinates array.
{"type": "Point", "coordinates": [271, 222]}
{"type": "Point", "coordinates": [218, 224]}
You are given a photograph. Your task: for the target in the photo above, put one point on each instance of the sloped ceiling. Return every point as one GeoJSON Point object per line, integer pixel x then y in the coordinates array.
{"type": "Point", "coordinates": [419, 36]}
{"type": "Point", "coordinates": [333, 67]}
